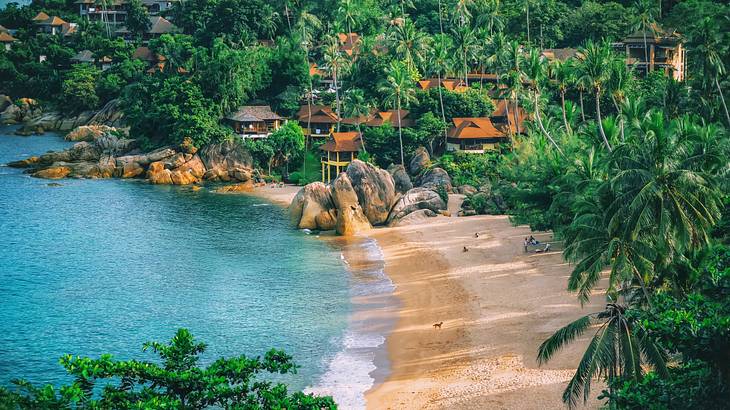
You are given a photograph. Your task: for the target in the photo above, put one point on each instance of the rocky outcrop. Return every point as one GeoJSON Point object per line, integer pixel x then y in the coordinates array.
{"type": "Point", "coordinates": [12, 114]}
{"type": "Point", "coordinates": [35, 120]}
{"type": "Point", "coordinates": [400, 178]}
{"type": "Point", "coordinates": [227, 161]}
{"type": "Point", "coordinates": [56, 172]}
{"type": "Point", "coordinates": [247, 186]}
{"type": "Point", "coordinates": [416, 199]}
{"type": "Point", "coordinates": [415, 218]}
{"type": "Point", "coordinates": [158, 174]}
{"type": "Point", "coordinates": [89, 133]}
{"type": "Point", "coordinates": [350, 217]}
{"type": "Point", "coordinates": [420, 161]}
{"type": "Point", "coordinates": [434, 178]}
{"type": "Point", "coordinates": [466, 190]}
{"type": "Point", "coordinates": [313, 208]}
{"type": "Point", "coordinates": [375, 190]}
{"type": "Point", "coordinates": [5, 102]}
{"type": "Point", "coordinates": [159, 154]}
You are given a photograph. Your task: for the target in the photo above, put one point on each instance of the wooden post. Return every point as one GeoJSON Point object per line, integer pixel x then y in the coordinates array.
{"type": "Point", "coordinates": [322, 170]}
{"type": "Point", "coordinates": [651, 57]}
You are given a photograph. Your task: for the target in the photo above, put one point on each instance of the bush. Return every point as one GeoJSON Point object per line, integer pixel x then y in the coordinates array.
{"type": "Point", "coordinates": [78, 90]}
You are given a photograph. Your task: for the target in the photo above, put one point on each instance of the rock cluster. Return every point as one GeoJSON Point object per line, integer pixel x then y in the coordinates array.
{"type": "Point", "coordinates": [106, 155]}
{"type": "Point", "coordinates": [35, 121]}
{"type": "Point", "coordinates": [365, 195]}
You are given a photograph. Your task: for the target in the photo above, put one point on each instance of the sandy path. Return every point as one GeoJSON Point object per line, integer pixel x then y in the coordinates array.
{"type": "Point", "coordinates": [497, 304]}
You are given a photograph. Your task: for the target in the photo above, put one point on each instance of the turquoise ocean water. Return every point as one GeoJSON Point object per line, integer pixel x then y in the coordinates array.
{"type": "Point", "coordinates": [97, 266]}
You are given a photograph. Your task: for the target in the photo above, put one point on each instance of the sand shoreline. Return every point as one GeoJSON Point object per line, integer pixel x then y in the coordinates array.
{"type": "Point", "coordinates": [497, 304]}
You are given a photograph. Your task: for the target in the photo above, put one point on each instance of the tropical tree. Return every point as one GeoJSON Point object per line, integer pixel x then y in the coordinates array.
{"type": "Point", "coordinates": [349, 11]}
{"type": "Point", "coordinates": [619, 348]}
{"type": "Point", "coordinates": [707, 42]}
{"type": "Point", "coordinates": [335, 63]}
{"type": "Point", "coordinates": [645, 17]}
{"type": "Point", "coordinates": [594, 70]}
{"type": "Point", "coordinates": [399, 90]}
{"type": "Point", "coordinates": [357, 108]}
{"type": "Point", "coordinates": [562, 73]}
{"type": "Point", "coordinates": [536, 71]}
{"type": "Point", "coordinates": [409, 44]}
{"type": "Point", "coordinates": [465, 41]}
{"type": "Point", "coordinates": [439, 63]}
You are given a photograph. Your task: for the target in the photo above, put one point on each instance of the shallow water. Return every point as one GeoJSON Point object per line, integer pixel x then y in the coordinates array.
{"type": "Point", "coordinates": [101, 266]}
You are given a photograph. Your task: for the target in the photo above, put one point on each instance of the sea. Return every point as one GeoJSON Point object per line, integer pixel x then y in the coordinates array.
{"type": "Point", "coordinates": [102, 266]}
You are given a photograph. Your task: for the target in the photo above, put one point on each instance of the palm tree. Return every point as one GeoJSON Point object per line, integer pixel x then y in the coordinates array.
{"type": "Point", "coordinates": [349, 13]}
{"type": "Point", "coordinates": [707, 42]}
{"type": "Point", "coordinates": [644, 19]}
{"type": "Point", "coordinates": [513, 56]}
{"type": "Point", "coordinates": [619, 347]}
{"type": "Point", "coordinates": [527, 10]}
{"type": "Point", "coordinates": [357, 107]}
{"type": "Point", "coordinates": [439, 62]}
{"type": "Point", "coordinates": [409, 43]}
{"type": "Point", "coordinates": [562, 74]}
{"type": "Point", "coordinates": [594, 70]}
{"type": "Point", "coordinates": [399, 90]}
{"type": "Point", "coordinates": [335, 62]}
{"type": "Point", "coordinates": [307, 20]}
{"type": "Point", "coordinates": [536, 70]}
{"type": "Point", "coordinates": [466, 43]}
{"type": "Point", "coordinates": [487, 12]}
{"type": "Point", "coordinates": [270, 23]}
{"type": "Point", "coordinates": [618, 85]}
{"type": "Point", "coordinates": [462, 12]}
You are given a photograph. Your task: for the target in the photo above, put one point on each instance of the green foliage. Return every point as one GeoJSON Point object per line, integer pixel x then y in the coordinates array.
{"type": "Point", "coordinates": [78, 90]}
{"type": "Point", "coordinates": [177, 382]}
{"type": "Point", "coordinates": [138, 21]}
{"type": "Point", "coordinates": [472, 103]}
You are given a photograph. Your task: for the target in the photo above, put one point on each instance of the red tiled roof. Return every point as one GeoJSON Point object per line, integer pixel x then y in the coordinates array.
{"type": "Point", "coordinates": [343, 142]}
{"type": "Point", "coordinates": [321, 114]}
{"type": "Point", "coordinates": [391, 117]}
{"type": "Point", "coordinates": [6, 38]}
{"type": "Point", "coordinates": [41, 17]}
{"type": "Point", "coordinates": [474, 128]}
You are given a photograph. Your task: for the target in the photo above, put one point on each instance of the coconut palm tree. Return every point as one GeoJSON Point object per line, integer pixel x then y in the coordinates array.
{"type": "Point", "coordinates": [439, 62]}
{"type": "Point", "coordinates": [645, 17]}
{"type": "Point", "coordinates": [349, 11]}
{"type": "Point", "coordinates": [536, 71]}
{"type": "Point", "coordinates": [466, 42]}
{"type": "Point", "coordinates": [399, 90]}
{"type": "Point", "coordinates": [357, 107]}
{"type": "Point", "coordinates": [335, 63]}
{"type": "Point", "coordinates": [306, 24]}
{"type": "Point", "coordinates": [594, 70]}
{"type": "Point", "coordinates": [617, 87]}
{"type": "Point", "coordinates": [619, 348]}
{"type": "Point", "coordinates": [562, 73]}
{"type": "Point", "coordinates": [512, 58]}
{"type": "Point", "coordinates": [488, 15]}
{"type": "Point", "coordinates": [707, 42]}
{"type": "Point", "coordinates": [409, 43]}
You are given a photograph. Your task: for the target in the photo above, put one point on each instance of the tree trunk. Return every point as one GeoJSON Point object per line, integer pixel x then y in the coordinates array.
{"type": "Point", "coordinates": [288, 18]}
{"type": "Point", "coordinates": [582, 111]}
{"type": "Point", "coordinates": [400, 136]}
{"type": "Point", "coordinates": [599, 119]}
{"type": "Point", "coordinates": [516, 116]}
{"type": "Point", "coordinates": [443, 113]}
{"type": "Point", "coordinates": [542, 127]}
{"type": "Point", "coordinates": [646, 52]}
{"type": "Point", "coordinates": [527, 4]}
{"type": "Point", "coordinates": [565, 117]}
{"type": "Point", "coordinates": [441, 20]}
{"type": "Point", "coordinates": [722, 98]}
{"type": "Point", "coordinates": [337, 98]}
{"type": "Point", "coordinates": [620, 118]}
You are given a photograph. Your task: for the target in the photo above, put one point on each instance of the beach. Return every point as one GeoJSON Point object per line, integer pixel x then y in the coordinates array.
{"type": "Point", "coordinates": [497, 304]}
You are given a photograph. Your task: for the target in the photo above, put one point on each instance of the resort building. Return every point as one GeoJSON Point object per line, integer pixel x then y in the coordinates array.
{"type": "Point", "coordinates": [663, 51]}
{"type": "Point", "coordinates": [87, 57]}
{"type": "Point", "coordinates": [321, 119]}
{"type": "Point", "coordinates": [560, 54]}
{"type": "Point", "coordinates": [155, 7]}
{"type": "Point", "coordinates": [349, 43]}
{"type": "Point", "coordinates": [158, 26]}
{"type": "Point", "coordinates": [6, 39]}
{"type": "Point", "coordinates": [506, 123]}
{"type": "Point", "coordinates": [113, 12]}
{"type": "Point", "coordinates": [390, 117]}
{"type": "Point", "coordinates": [474, 135]}
{"type": "Point", "coordinates": [254, 121]}
{"type": "Point", "coordinates": [53, 25]}
{"type": "Point", "coordinates": [338, 152]}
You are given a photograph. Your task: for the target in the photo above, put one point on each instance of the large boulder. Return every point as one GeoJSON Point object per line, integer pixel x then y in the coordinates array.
{"type": "Point", "coordinates": [236, 188]}
{"type": "Point", "coordinates": [11, 114]}
{"type": "Point", "coordinates": [220, 158]}
{"type": "Point", "coordinates": [88, 132]}
{"type": "Point", "coordinates": [435, 178]}
{"type": "Point", "coordinates": [158, 174]}
{"type": "Point", "coordinates": [313, 208]}
{"type": "Point", "coordinates": [57, 172]}
{"type": "Point", "coordinates": [350, 218]}
{"type": "Point", "coordinates": [416, 199]}
{"type": "Point", "coordinates": [415, 218]}
{"type": "Point", "coordinates": [159, 154]}
{"type": "Point", "coordinates": [375, 190]}
{"type": "Point", "coordinates": [5, 102]}
{"type": "Point", "coordinates": [420, 161]}
{"type": "Point", "coordinates": [401, 179]}
{"type": "Point", "coordinates": [130, 170]}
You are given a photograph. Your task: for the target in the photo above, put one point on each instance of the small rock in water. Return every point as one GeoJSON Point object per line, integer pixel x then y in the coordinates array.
{"type": "Point", "coordinates": [307, 231]}
{"type": "Point", "coordinates": [54, 184]}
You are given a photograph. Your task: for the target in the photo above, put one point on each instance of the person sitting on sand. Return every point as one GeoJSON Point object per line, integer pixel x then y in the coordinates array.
{"type": "Point", "coordinates": [465, 249]}
{"type": "Point", "coordinates": [533, 241]}
{"type": "Point", "coordinates": [476, 235]}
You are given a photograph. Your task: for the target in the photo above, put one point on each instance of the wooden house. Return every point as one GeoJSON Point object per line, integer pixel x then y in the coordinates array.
{"type": "Point", "coordinates": [474, 135]}
{"type": "Point", "coordinates": [663, 51]}
{"type": "Point", "coordinates": [254, 121]}
{"type": "Point", "coordinates": [321, 119]}
{"type": "Point", "coordinates": [337, 153]}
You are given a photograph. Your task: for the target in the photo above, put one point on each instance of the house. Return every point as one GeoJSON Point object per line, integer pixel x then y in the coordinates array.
{"type": "Point", "coordinates": [158, 26]}
{"type": "Point", "coordinates": [254, 121]}
{"type": "Point", "coordinates": [87, 57]}
{"type": "Point", "coordinates": [663, 51]}
{"type": "Point", "coordinates": [321, 120]}
{"type": "Point", "coordinates": [349, 43]}
{"type": "Point", "coordinates": [112, 12]}
{"type": "Point", "coordinates": [337, 153]}
{"type": "Point", "coordinates": [506, 123]}
{"type": "Point", "coordinates": [7, 40]}
{"type": "Point", "coordinates": [474, 135]}
{"type": "Point", "coordinates": [560, 54]}
{"type": "Point", "coordinates": [53, 25]}
{"type": "Point", "coordinates": [155, 7]}
{"type": "Point", "coordinates": [391, 117]}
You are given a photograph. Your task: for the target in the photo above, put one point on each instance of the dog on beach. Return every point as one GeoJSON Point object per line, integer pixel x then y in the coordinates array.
{"type": "Point", "coordinates": [438, 325]}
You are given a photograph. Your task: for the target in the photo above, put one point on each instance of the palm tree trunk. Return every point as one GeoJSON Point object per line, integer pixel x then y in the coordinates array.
{"type": "Point", "coordinates": [527, 4]}
{"type": "Point", "coordinates": [565, 117]}
{"type": "Point", "coordinates": [542, 127]}
{"type": "Point", "coordinates": [400, 135]}
{"type": "Point", "coordinates": [600, 120]}
{"type": "Point", "coordinates": [722, 98]}
{"type": "Point", "coordinates": [516, 116]}
{"type": "Point", "coordinates": [441, 20]}
{"type": "Point", "coordinates": [620, 118]}
{"type": "Point", "coordinates": [646, 52]}
{"type": "Point", "coordinates": [443, 113]}
{"type": "Point", "coordinates": [288, 18]}
{"type": "Point", "coordinates": [337, 98]}
{"type": "Point", "coordinates": [582, 111]}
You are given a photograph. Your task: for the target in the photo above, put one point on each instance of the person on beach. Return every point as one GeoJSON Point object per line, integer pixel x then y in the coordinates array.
{"type": "Point", "coordinates": [526, 243]}
{"type": "Point", "coordinates": [533, 241]}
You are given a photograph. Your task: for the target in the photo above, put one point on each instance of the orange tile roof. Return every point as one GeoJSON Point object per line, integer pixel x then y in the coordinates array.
{"type": "Point", "coordinates": [500, 110]}
{"type": "Point", "coordinates": [474, 128]}
{"type": "Point", "coordinates": [41, 17]}
{"type": "Point", "coordinates": [321, 114]}
{"type": "Point", "coordinates": [343, 142]}
{"type": "Point", "coordinates": [6, 38]}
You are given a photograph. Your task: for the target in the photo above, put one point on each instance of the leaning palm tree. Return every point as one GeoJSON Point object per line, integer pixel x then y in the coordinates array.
{"type": "Point", "coordinates": [707, 43]}
{"type": "Point", "coordinates": [561, 73]}
{"type": "Point", "coordinates": [619, 348]}
{"type": "Point", "coordinates": [536, 71]}
{"type": "Point", "coordinates": [594, 70]}
{"type": "Point", "coordinates": [439, 62]}
{"type": "Point", "coordinates": [399, 90]}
